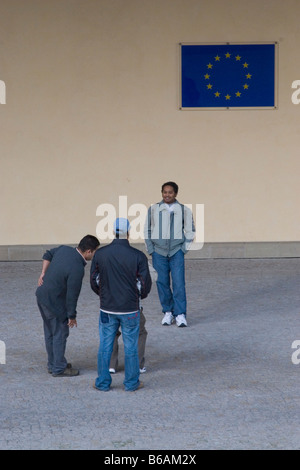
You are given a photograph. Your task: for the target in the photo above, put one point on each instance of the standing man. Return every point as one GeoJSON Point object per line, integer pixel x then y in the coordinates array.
{"type": "Point", "coordinates": [169, 231]}
{"type": "Point", "coordinates": [59, 288]}
{"type": "Point", "coordinates": [115, 271]}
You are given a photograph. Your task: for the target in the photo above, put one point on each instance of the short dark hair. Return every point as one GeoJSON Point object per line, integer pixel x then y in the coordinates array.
{"type": "Point", "coordinates": [89, 242]}
{"type": "Point", "coordinates": [170, 183]}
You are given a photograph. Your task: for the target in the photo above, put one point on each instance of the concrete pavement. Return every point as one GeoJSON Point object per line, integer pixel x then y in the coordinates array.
{"type": "Point", "coordinates": [227, 381]}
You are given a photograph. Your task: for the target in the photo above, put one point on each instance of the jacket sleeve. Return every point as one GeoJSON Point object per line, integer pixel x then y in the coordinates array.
{"type": "Point", "coordinates": [94, 276]}
{"type": "Point", "coordinates": [74, 284]}
{"type": "Point", "coordinates": [144, 276]}
{"type": "Point", "coordinates": [189, 229]}
{"type": "Point", "coordinates": [48, 255]}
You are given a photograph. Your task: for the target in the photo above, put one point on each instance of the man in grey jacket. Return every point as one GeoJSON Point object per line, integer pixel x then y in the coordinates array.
{"type": "Point", "coordinates": [169, 231]}
{"type": "Point", "coordinates": [57, 295]}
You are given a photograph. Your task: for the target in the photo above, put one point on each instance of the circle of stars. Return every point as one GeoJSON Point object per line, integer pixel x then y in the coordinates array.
{"type": "Point", "coordinates": [244, 87]}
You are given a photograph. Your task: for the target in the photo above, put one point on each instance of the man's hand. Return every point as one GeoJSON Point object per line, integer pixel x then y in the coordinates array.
{"type": "Point", "coordinates": [72, 322]}
{"type": "Point", "coordinates": [44, 269]}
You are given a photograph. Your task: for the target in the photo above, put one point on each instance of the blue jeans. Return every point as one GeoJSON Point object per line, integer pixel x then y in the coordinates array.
{"type": "Point", "coordinates": [171, 301]}
{"type": "Point", "coordinates": [108, 327]}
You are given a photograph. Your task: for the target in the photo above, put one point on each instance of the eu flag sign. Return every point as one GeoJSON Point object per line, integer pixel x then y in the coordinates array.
{"type": "Point", "coordinates": [228, 76]}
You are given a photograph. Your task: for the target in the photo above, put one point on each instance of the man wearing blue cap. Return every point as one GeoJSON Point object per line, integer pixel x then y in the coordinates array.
{"type": "Point", "coordinates": [115, 270]}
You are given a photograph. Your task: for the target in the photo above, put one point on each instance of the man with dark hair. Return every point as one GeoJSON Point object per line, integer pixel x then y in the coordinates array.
{"type": "Point", "coordinates": [57, 295]}
{"type": "Point", "coordinates": [117, 271]}
{"type": "Point", "coordinates": [172, 185]}
{"type": "Point", "coordinates": [169, 231]}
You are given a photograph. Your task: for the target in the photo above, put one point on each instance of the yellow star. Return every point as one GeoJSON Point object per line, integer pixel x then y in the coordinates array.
{"type": "Point", "coordinates": [245, 65]}
{"type": "Point", "coordinates": [206, 76]}
{"type": "Point", "coordinates": [209, 86]}
{"type": "Point", "coordinates": [227, 97]}
{"type": "Point", "coordinates": [248, 75]}
{"type": "Point", "coordinates": [227, 55]}
{"type": "Point", "coordinates": [217, 94]}
{"type": "Point", "coordinates": [238, 94]}
{"type": "Point", "coordinates": [209, 66]}
{"type": "Point", "coordinates": [246, 86]}
{"type": "Point", "coordinates": [217, 58]}
{"type": "Point", "coordinates": [237, 57]}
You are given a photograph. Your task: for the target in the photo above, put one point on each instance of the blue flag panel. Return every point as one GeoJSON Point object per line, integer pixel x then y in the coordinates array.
{"type": "Point", "coordinates": [228, 76]}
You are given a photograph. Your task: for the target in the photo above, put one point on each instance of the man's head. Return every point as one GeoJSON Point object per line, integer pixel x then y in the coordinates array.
{"type": "Point", "coordinates": [121, 227]}
{"type": "Point", "coordinates": [169, 192]}
{"type": "Point", "coordinates": [87, 246]}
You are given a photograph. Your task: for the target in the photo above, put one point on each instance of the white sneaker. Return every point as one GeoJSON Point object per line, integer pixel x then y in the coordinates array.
{"type": "Point", "coordinates": [143, 370]}
{"type": "Point", "coordinates": [168, 319]}
{"type": "Point", "coordinates": [112, 371]}
{"type": "Point", "coordinates": [181, 320]}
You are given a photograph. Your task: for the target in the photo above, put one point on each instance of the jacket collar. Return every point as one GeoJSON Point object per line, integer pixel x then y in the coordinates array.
{"type": "Point", "coordinates": [83, 260]}
{"type": "Point", "coordinates": [122, 241]}
{"type": "Point", "coordinates": [162, 205]}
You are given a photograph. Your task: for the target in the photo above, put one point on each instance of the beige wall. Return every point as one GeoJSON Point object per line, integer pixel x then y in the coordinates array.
{"type": "Point", "coordinates": [92, 112]}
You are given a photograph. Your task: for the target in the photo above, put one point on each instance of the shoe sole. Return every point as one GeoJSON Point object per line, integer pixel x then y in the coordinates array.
{"type": "Point", "coordinates": [141, 385]}
{"type": "Point", "coordinates": [69, 366]}
{"type": "Point", "coordinates": [99, 389]}
{"type": "Point", "coordinates": [65, 375]}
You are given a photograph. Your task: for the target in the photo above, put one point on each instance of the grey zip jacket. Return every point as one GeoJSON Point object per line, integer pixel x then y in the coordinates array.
{"type": "Point", "coordinates": [167, 232]}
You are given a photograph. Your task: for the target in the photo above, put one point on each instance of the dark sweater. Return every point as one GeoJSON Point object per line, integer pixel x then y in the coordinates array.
{"type": "Point", "coordinates": [62, 281]}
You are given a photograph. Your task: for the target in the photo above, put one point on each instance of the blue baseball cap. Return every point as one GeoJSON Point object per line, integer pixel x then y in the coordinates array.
{"type": "Point", "coordinates": [121, 226]}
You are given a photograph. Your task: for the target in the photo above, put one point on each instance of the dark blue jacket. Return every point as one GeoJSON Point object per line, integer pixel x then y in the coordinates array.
{"type": "Point", "coordinates": [119, 265]}
{"type": "Point", "coordinates": [62, 281]}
